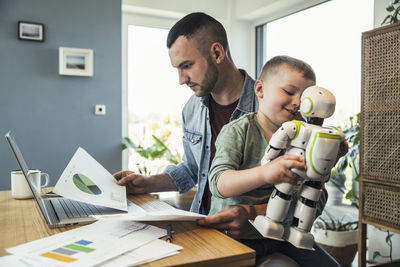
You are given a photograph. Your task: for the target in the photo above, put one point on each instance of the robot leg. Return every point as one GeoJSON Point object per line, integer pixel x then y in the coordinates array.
{"type": "Point", "coordinates": [278, 206]}
{"type": "Point", "coordinates": [304, 215]}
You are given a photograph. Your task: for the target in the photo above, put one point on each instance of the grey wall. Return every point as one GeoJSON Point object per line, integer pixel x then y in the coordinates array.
{"type": "Point", "coordinates": [51, 115]}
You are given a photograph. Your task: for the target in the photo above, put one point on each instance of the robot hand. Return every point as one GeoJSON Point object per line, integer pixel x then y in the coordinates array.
{"type": "Point", "coordinates": [279, 141]}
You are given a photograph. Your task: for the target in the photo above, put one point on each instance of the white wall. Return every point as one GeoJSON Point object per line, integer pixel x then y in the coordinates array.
{"type": "Point", "coordinates": [380, 12]}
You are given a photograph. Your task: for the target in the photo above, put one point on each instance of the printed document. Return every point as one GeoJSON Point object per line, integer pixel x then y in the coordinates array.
{"type": "Point", "coordinates": [152, 251]}
{"type": "Point", "coordinates": [86, 180]}
{"type": "Point", "coordinates": [154, 210]}
{"type": "Point", "coordinates": [88, 245]}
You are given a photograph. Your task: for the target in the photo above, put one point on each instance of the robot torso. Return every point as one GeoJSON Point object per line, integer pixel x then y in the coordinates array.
{"type": "Point", "coordinates": [318, 146]}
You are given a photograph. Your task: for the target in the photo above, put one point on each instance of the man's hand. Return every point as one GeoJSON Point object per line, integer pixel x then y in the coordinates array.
{"type": "Point", "coordinates": [140, 184]}
{"type": "Point", "coordinates": [135, 183]}
{"type": "Point", "coordinates": [232, 220]}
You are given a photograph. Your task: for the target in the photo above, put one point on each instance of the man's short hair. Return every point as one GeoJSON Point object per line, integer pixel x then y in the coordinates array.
{"type": "Point", "coordinates": [272, 66]}
{"type": "Point", "coordinates": [201, 26]}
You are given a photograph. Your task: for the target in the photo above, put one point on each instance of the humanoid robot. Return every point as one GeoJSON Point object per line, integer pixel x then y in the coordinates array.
{"type": "Point", "coordinates": [319, 147]}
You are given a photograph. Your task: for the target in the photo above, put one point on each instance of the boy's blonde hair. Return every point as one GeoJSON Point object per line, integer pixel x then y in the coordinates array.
{"type": "Point", "coordinates": [273, 65]}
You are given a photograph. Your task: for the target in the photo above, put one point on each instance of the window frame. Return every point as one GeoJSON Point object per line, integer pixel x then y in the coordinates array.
{"type": "Point", "coordinates": [138, 19]}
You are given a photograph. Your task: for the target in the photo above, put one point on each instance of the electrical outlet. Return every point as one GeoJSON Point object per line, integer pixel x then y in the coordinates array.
{"type": "Point", "coordinates": [100, 109]}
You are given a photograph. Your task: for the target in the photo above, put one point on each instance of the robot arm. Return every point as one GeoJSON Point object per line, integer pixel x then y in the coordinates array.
{"type": "Point", "coordinates": [279, 141]}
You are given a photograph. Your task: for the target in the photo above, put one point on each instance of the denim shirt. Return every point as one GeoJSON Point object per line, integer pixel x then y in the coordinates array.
{"type": "Point", "coordinates": [197, 141]}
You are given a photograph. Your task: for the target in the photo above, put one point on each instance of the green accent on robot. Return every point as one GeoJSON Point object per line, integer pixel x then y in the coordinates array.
{"type": "Point", "coordinates": [320, 135]}
{"type": "Point", "coordinates": [311, 106]}
{"type": "Point", "coordinates": [298, 125]}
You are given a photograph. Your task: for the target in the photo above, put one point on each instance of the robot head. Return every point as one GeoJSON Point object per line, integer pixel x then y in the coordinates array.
{"type": "Point", "coordinates": [317, 102]}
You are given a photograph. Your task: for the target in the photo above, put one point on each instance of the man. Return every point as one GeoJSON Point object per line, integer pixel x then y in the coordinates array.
{"type": "Point", "coordinates": [199, 50]}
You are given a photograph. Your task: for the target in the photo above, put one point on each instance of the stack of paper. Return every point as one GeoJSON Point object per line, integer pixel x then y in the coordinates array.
{"type": "Point", "coordinates": [95, 244]}
{"type": "Point", "coordinates": [115, 240]}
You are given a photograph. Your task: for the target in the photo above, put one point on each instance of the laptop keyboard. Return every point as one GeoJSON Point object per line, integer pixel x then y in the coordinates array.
{"type": "Point", "coordinates": [76, 209]}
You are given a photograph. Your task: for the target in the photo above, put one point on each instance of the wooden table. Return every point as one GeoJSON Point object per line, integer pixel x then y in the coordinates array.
{"type": "Point", "coordinates": [21, 221]}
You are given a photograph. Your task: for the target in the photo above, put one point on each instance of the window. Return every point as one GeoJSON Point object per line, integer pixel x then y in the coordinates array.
{"type": "Point", "coordinates": [328, 37]}
{"type": "Point", "coordinates": [155, 99]}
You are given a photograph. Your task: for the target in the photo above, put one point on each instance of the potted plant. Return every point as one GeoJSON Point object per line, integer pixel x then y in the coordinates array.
{"type": "Point", "coordinates": [158, 150]}
{"type": "Point", "coordinates": [338, 236]}
{"type": "Point", "coordinates": [335, 187]}
{"type": "Point", "coordinates": [352, 159]}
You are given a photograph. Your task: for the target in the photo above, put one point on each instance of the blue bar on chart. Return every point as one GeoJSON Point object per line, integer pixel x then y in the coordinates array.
{"type": "Point", "coordinates": [83, 242]}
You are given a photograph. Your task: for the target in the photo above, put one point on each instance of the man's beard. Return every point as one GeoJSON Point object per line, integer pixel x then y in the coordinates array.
{"type": "Point", "coordinates": [210, 79]}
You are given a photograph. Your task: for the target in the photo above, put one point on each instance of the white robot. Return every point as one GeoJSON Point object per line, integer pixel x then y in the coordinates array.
{"type": "Point", "coordinates": [319, 148]}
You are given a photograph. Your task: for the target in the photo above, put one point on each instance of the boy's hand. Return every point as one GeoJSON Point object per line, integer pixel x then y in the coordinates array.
{"type": "Point", "coordinates": [279, 170]}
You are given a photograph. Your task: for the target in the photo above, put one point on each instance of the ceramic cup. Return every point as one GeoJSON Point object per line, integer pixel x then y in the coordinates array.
{"type": "Point", "coordinates": [19, 186]}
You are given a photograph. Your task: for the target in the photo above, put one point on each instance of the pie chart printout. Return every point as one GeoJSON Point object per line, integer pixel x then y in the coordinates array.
{"type": "Point", "coordinates": [83, 183]}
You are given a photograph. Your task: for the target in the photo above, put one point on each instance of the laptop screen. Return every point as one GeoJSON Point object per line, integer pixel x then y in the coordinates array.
{"type": "Point", "coordinates": [24, 167]}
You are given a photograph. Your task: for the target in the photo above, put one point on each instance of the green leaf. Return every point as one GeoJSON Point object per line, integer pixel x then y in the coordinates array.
{"type": "Point", "coordinates": [127, 142]}
{"type": "Point", "coordinates": [376, 254]}
{"type": "Point", "coordinates": [178, 156]}
{"type": "Point", "coordinates": [350, 194]}
{"type": "Point", "coordinates": [356, 139]}
{"type": "Point", "coordinates": [157, 153]}
{"type": "Point", "coordinates": [342, 164]}
{"type": "Point", "coordinates": [389, 238]}
{"type": "Point", "coordinates": [390, 8]}
{"type": "Point", "coordinates": [160, 143]}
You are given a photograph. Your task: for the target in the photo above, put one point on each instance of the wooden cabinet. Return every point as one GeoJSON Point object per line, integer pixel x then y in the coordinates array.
{"type": "Point", "coordinates": [379, 133]}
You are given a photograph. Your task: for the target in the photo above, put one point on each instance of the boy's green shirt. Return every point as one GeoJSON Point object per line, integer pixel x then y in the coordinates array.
{"type": "Point", "coordinates": [240, 145]}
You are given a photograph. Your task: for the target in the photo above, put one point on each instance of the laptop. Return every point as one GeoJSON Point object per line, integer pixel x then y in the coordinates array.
{"type": "Point", "coordinates": [59, 211]}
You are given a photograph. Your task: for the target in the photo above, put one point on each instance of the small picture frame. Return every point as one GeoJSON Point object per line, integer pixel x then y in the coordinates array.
{"type": "Point", "coordinates": [75, 61]}
{"type": "Point", "coordinates": [30, 31]}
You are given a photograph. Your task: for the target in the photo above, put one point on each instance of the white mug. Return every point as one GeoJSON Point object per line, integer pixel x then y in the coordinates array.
{"type": "Point", "coordinates": [19, 186]}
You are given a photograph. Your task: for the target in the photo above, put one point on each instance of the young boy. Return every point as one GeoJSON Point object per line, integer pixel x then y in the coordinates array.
{"type": "Point", "coordinates": [236, 176]}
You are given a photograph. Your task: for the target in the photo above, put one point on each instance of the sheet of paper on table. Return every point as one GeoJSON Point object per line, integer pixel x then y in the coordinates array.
{"type": "Point", "coordinates": [144, 254]}
{"type": "Point", "coordinates": [86, 180]}
{"type": "Point", "coordinates": [15, 261]}
{"type": "Point", "coordinates": [138, 256]}
{"type": "Point", "coordinates": [88, 245]}
{"type": "Point", "coordinates": [153, 211]}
